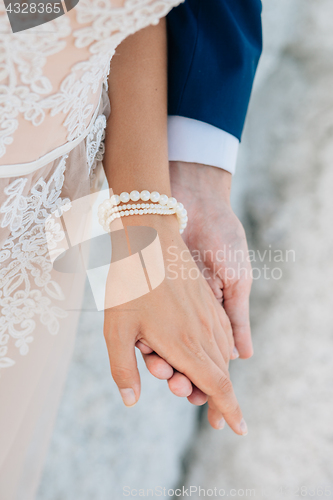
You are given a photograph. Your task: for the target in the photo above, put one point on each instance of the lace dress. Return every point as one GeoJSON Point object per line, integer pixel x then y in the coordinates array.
{"type": "Point", "coordinates": [53, 113]}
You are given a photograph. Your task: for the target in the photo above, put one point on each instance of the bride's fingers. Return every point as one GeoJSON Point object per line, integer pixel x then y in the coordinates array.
{"type": "Point", "coordinates": [157, 366]}
{"type": "Point", "coordinates": [180, 385]}
{"type": "Point", "coordinates": [217, 346]}
{"type": "Point", "coordinates": [197, 397]}
{"type": "Point", "coordinates": [215, 417]}
{"type": "Point", "coordinates": [123, 365]}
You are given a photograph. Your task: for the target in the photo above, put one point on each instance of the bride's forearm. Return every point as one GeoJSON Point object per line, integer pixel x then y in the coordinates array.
{"type": "Point", "coordinates": [136, 154]}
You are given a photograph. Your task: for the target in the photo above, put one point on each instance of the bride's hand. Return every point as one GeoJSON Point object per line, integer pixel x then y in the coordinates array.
{"type": "Point", "coordinates": [182, 322]}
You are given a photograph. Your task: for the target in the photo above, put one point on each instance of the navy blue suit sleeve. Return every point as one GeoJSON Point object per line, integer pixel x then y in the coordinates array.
{"type": "Point", "coordinates": [213, 51]}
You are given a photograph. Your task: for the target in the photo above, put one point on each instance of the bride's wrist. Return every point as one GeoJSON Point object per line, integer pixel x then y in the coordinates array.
{"type": "Point", "coordinates": [164, 224]}
{"type": "Point", "coordinates": [156, 208]}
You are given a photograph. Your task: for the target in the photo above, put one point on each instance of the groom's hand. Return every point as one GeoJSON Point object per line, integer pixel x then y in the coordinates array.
{"type": "Point", "coordinates": [216, 235]}
{"type": "Point", "coordinates": [217, 241]}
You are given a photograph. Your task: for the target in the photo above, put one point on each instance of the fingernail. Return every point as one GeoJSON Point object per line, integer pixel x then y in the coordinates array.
{"type": "Point", "coordinates": [235, 353]}
{"type": "Point", "coordinates": [128, 396]}
{"type": "Point", "coordinates": [221, 423]}
{"type": "Point", "coordinates": [243, 427]}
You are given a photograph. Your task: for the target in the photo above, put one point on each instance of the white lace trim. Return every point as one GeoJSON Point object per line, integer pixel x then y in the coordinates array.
{"type": "Point", "coordinates": [95, 147]}
{"type": "Point", "coordinates": [26, 92]}
{"type": "Point", "coordinates": [26, 286]}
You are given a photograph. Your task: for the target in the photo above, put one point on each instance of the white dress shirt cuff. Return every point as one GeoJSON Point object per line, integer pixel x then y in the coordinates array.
{"type": "Point", "coordinates": [194, 141]}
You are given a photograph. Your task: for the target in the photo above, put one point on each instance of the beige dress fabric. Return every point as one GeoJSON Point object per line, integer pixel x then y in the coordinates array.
{"type": "Point", "coordinates": [53, 114]}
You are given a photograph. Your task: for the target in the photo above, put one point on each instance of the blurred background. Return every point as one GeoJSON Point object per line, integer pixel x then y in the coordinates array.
{"type": "Point", "coordinates": [282, 192]}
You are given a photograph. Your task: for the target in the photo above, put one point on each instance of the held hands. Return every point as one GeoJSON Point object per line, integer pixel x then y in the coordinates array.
{"type": "Point", "coordinates": [182, 322]}
{"type": "Point", "coordinates": [217, 239]}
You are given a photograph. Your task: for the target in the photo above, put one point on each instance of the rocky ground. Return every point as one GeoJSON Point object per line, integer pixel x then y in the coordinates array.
{"type": "Point", "coordinates": [286, 204]}
{"type": "Point", "coordinates": [283, 194]}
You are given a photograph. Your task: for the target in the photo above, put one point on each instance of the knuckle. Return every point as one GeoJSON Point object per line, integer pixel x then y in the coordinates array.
{"type": "Point", "coordinates": [232, 411]}
{"type": "Point", "coordinates": [120, 373]}
{"type": "Point", "coordinates": [110, 333]}
{"type": "Point", "coordinates": [191, 343]}
{"type": "Point", "coordinates": [224, 386]}
{"type": "Point", "coordinates": [231, 406]}
{"type": "Point", "coordinates": [207, 332]}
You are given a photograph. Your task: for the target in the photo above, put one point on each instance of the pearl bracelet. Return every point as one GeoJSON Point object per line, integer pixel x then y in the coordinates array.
{"type": "Point", "coordinates": [111, 209]}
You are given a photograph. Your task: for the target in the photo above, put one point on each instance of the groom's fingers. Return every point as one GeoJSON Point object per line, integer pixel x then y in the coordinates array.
{"type": "Point", "coordinates": [235, 296]}
{"type": "Point", "coordinates": [227, 330]}
{"type": "Point", "coordinates": [178, 383]}
{"type": "Point", "coordinates": [197, 398]}
{"type": "Point", "coordinates": [215, 417]}
{"type": "Point", "coordinates": [157, 366]}
{"type": "Point", "coordinates": [236, 305]}
{"type": "Point", "coordinates": [216, 285]}
{"type": "Point", "coordinates": [143, 347]}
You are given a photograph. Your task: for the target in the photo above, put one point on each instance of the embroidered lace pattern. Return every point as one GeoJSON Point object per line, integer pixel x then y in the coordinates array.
{"type": "Point", "coordinates": [22, 82]}
{"type": "Point", "coordinates": [27, 291]}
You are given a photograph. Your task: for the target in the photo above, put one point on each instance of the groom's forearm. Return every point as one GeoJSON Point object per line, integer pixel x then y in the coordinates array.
{"type": "Point", "coordinates": [213, 52]}
{"type": "Point", "coordinates": [205, 182]}
{"type": "Point", "coordinates": [214, 48]}
{"type": "Point", "coordinates": [194, 141]}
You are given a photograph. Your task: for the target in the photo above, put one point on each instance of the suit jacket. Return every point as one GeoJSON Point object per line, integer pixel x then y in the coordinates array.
{"type": "Point", "coordinates": [213, 51]}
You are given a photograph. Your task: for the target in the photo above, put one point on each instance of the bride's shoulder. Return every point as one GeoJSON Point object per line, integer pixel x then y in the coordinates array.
{"type": "Point", "coordinates": [51, 76]}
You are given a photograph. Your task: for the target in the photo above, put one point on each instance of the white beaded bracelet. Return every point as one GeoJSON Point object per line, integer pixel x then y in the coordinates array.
{"type": "Point", "coordinates": [111, 209]}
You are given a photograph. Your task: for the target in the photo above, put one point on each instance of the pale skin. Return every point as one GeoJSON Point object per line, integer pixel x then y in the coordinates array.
{"type": "Point", "coordinates": [181, 320]}
{"type": "Point", "coordinates": [212, 226]}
